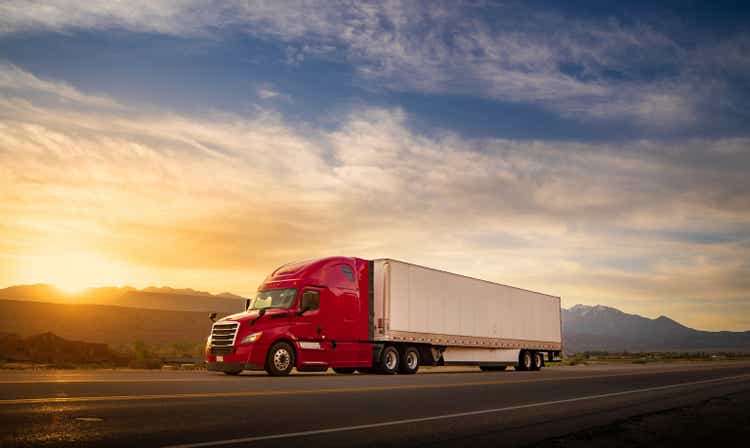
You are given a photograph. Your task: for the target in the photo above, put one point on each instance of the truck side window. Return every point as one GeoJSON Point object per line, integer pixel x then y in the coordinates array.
{"type": "Point", "coordinates": [348, 272]}
{"type": "Point", "coordinates": [310, 301]}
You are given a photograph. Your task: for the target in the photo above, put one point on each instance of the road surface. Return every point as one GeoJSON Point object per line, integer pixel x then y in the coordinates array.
{"type": "Point", "coordinates": [437, 407]}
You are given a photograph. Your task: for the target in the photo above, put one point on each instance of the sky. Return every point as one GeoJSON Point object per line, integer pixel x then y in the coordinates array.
{"type": "Point", "coordinates": [598, 151]}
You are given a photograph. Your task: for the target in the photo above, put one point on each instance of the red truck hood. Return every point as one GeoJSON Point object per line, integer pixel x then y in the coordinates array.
{"type": "Point", "coordinates": [250, 315]}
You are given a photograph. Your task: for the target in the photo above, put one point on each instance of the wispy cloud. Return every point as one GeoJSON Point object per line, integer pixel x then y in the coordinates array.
{"type": "Point", "coordinates": [265, 93]}
{"type": "Point", "coordinates": [13, 78]}
{"type": "Point", "coordinates": [164, 16]}
{"type": "Point", "coordinates": [215, 202]}
{"type": "Point", "coordinates": [589, 69]}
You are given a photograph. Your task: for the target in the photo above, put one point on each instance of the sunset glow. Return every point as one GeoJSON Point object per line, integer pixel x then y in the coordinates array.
{"type": "Point", "coordinates": [71, 271]}
{"type": "Point", "coordinates": [205, 152]}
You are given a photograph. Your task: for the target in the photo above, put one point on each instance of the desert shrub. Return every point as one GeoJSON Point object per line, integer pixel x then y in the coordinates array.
{"type": "Point", "coordinates": [143, 357]}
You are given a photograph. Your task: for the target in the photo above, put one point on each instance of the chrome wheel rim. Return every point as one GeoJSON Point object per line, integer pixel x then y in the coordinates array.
{"type": "Point", "coordinates": [391, 360]}
{"type": "Point", "coordinates": [526, 360]}
{"type": "Point", "coordinates": [281, 359]}
{"type": "Point", "coordinates": [412, 360]}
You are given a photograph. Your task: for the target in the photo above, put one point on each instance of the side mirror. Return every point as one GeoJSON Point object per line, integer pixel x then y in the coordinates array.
{"type": "Point", "coordinates": [212, 316]}
{"type": "Point", "coordinates": [247, 304]}
{"type": "Point", "coordinates": [302, 311]}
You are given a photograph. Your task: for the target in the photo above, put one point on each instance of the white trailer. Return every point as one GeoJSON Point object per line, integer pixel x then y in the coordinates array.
{"type": "Point", "coordinates": [459, 320]}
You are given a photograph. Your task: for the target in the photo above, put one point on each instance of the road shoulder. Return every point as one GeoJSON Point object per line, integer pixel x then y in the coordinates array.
{"type": "Point", "coordinates": [720, 421]}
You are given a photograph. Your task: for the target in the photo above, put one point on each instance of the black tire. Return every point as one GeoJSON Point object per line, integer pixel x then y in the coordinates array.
{"type": "Point", "coordinates": [409, 361]}
{"type": "Point", "coordinates": [389, 361]}
{"type": "Point", "coordinates": [525, 360]}
{"type": "Point", "coordinates": [280, 359]}
{"type": "Point", "coordinates": [344, 370]}
{"type": "Point", "coordinates": [538, 360]}
{"type": "Point", "coordinates": [492, 368]}
{"type": "Point", "coordinates": [232, 372]}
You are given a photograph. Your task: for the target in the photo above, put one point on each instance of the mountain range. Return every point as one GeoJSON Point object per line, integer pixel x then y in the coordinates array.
{"type": "Point", "coordinates": [154, 298]}
{"type": "Point", "coordinates": [121, 315]}
{"type": "Point", "coordinates": [591, 328]}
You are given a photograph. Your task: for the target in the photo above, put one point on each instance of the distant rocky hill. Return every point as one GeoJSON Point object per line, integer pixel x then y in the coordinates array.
{"type": "Point", "coordinates": [591, 328]}
{"type": "Point", "coordinates": [162, 298]}
{"type": "Point", "coordinates": [120, 316]}
{"type": "Point", "coordinates": [105, 324]}
{"type": "Point", "coordinates": [50, 348]}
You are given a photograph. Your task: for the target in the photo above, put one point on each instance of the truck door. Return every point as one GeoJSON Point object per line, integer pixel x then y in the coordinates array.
{"type": "Point", "coordinates": [349, 351]}
{"type": "Point", "coordinates": [310, 327]}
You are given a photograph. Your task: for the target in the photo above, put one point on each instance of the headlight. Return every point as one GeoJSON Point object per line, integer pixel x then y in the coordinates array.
{"type": "Point", "coordinates": [252, 337]}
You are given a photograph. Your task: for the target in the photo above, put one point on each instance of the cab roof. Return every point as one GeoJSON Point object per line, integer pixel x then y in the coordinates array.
{"type": "Point", "coordinates": [290, 274]}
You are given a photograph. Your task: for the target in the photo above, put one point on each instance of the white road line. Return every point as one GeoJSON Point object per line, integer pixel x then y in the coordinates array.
{"type": "Point", "coordinates": [445, 416]}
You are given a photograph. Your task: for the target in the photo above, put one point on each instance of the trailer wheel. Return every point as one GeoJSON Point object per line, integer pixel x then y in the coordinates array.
{"type": "Point", "coordinates": [280, 359]}
{"type": "Point", "coordinates": [538, 361]}
{"type": "Point", "coordinates": [389, 360]}
{"type": "Point", "coordinates": [344, 370]}
{"type": "Point", "coordinates": [525, 361]}
{"type": "Point", "coordinates": [409, 362]}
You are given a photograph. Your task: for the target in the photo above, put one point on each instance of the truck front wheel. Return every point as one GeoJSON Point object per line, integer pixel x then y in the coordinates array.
{"type": "Point", "coordinates": [389, 360]}
{"type": "Point", "coordinates": [409, 361]}
{"type": "Point", "coordinates": [280, 359]}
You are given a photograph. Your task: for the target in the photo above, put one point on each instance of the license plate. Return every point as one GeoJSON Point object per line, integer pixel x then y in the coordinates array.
{"type": "Point", "coordinates": [219, 359]}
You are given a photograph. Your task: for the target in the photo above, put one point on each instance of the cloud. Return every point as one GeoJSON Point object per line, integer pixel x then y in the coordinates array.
{"type": "Point", "coordinates": [268, 92]}
{"type": "Point", "coordinates": [216, 202]}
{"type": "Point", "coordinates": [15, 79]}
{"type": "Point", "coordinates": [588, 69]}
{"type": "Point", "coordinates": [265, 93]}
{"type": "Point", "coordinates": [165, 17]}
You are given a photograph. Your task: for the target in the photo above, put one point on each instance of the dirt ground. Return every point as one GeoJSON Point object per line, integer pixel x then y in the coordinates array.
{"type": "Point", "coordinates": [718, 422]}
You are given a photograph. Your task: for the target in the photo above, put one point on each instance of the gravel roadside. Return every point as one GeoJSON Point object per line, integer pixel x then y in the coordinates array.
{"type": "Point", "coordinates": [721, 421]}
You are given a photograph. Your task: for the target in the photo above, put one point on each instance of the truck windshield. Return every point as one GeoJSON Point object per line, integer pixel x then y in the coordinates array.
{"type": "Point", "coordinates": [274, 298]}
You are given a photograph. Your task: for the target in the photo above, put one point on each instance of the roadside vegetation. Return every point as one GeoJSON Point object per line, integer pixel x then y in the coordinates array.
{"type": "Point", "coordinates": [604, 357]}
{"type": "Point", "coordinates": [48, 351]}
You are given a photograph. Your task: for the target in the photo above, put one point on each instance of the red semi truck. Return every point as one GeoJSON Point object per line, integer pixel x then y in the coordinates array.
{"type": "Point", "coordinates": [383, 316]}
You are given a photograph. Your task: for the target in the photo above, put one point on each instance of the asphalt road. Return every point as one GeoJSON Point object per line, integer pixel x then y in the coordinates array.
{"type": "Point", "coordinates": [436, 408]}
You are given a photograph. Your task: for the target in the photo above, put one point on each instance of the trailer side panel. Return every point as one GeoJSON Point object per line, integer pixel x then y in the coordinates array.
{"type": "Point", "coordinates": [427, 305]}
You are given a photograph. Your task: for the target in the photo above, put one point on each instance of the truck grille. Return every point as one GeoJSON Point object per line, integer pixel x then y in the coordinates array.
{"type": "Point", "coordinates": [222, 337]}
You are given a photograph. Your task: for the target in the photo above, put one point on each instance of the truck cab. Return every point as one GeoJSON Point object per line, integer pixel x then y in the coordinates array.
{"type": "Point", "coordinates": [307, 315]}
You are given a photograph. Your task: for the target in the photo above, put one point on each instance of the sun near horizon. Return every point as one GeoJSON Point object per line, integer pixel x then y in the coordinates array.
{"type": "Point", "coordinates": [74, 272]}
{"type": "Point", "coordinates": [71, 271]}
{"type": "Point", "coordinates": [593, 157]}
